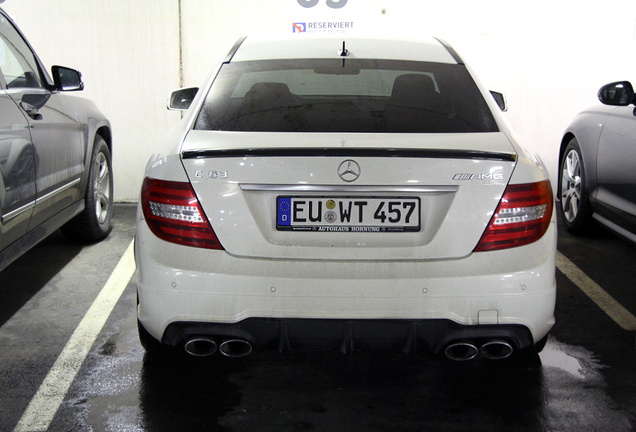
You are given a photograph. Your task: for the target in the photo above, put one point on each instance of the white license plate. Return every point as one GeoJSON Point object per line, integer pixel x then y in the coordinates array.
{"type": "Point", "coordinates": [347, 214]}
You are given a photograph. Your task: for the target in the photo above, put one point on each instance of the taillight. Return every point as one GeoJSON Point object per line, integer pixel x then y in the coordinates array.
{"type": "Point", "coordinates": [174, 214]}
{"type": "Point", "coordinates": [522, 217]}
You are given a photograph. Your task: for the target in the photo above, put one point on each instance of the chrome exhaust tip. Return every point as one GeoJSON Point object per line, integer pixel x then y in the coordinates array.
{"type": "Point", "coordinates": [461, 351]}
{"type": "Point", "coordinates": [235, 348]}
{"type": "Point", "coordinates": [496, 350]}
{"type": "Point", "coordinates": [200, 347]}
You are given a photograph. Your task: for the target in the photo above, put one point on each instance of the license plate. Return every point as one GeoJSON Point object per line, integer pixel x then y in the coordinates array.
{"type": "Point", "coordinates": [347, 214]}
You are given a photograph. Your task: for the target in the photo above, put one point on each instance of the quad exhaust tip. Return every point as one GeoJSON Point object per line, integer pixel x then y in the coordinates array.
{"type": "Point", "coordinates": [461, 351]}
{"type": "Point", "coordinates": [496, 350]}
{"type": "Point", "coordinates": [235, 348]}
{"type": "Point", "coordinates": [492, 350]}
{"type": "Point", "coordinates": [200, 347]}
{"type": "Point", "coordinates": [458, 351]}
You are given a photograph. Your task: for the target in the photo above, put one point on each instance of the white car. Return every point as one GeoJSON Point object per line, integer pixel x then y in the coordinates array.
{"type": "Point", "coordinates": [356, 195]}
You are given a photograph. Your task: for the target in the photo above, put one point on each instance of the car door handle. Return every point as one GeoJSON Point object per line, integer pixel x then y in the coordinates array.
{"type": "Point", "coordinates": [31, 110]}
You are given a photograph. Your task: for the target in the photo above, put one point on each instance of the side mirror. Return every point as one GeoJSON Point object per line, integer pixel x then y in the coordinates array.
{"type": "Point", "coordinates": [67, 79]}
{"type": "Point", "coordinates": [500, 99]}
{"type": "Point", "coordinates": [619, 93]}
{"type": "Point", "coordinates": [180, 100]}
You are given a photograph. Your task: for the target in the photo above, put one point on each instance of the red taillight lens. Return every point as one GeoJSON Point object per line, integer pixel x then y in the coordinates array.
{"type": "Point", "coordinates": [173, 213]}
{"type": "Point", "coordinates": [522, 217]}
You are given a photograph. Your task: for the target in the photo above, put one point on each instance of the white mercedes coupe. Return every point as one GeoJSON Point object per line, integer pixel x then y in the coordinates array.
{"type": "Point", "coordinates": [343, 193]}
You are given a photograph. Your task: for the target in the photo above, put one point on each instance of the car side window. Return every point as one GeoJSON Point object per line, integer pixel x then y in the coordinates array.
{"type": "Point", "coordinates": [17, 62]}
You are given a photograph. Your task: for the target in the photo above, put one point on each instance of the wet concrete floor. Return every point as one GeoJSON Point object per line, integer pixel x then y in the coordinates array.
{"type": "Point", "coordinates": [584, 380]}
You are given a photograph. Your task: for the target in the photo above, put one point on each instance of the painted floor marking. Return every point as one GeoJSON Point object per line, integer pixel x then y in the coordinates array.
{"type": "Point", "coordinates": [42, 408]}
{"type": "Point", "coordinates": [610, 306]}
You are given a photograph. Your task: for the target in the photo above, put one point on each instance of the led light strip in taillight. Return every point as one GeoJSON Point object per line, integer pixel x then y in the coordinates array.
{"type": "Point", "coordinates": [522, 217]}
{"type": "Point", "coordinates": [173, 213]}
{"type": "Point", "coordinates": [170, 211]}
{"type": "Point", "coordinates": [519, 215]}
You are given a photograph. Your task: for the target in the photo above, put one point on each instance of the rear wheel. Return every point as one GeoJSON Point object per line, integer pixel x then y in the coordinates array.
{"type": "Point", "coordinates": [530, 355]}
{"type": "Point", "coordinates": [147, 341]}
{"type": "Point", "coordinates": [575, 203]}
{"type": "Point", "coordinates": [94, 222]}
{"type": "Point", "coordinates": [538, 347]}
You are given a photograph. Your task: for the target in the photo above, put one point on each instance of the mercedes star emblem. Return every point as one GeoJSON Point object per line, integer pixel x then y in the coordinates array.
{"type": "Point", "coordinates": [349, 170]}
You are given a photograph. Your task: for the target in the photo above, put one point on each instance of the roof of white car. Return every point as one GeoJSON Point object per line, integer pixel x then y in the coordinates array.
{"type": "Point", "coordinates": [321, 46]}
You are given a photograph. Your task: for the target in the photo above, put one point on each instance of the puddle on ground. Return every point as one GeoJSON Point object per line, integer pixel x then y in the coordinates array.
{"type": "Point", "coordinates": [576, 361]}
{"type": "Point", "coordinates": [554, 355]}
{"type": "Point", "coordinates": [575, 391]}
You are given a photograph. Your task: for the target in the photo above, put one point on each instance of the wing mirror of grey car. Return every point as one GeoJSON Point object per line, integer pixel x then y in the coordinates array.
{"type": "Point", "coordinates": [67, 79]}
{"type": "Point", "coordinates": [180, 100]}
{"type": "Point", "coordinates": [500, 99]}
{"type": "Point", "coordinates": [619, 93]}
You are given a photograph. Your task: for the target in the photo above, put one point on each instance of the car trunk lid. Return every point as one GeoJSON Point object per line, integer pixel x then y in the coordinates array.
{"type": "Point", "coordinates": [348, 196]}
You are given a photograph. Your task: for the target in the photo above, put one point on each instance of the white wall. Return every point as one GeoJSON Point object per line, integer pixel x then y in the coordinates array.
{"type": "Point", "coordinates": [548, 57]}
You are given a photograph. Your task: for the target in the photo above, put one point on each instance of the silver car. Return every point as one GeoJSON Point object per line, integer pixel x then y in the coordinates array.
{"type": "Point", "coordinates": [55, 152]}
{"type": "Point", "coordinates": [597, 179]}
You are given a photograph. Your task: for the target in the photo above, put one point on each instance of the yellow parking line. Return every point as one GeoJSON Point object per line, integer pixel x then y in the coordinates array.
{"type": "Point", "coordinates": [610, 306]}
{"type": "Point", "coordinates": [42, 408]}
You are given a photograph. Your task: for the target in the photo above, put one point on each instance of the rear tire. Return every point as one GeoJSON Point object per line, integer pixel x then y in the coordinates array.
{"type": "Point", "coordinates": [530, 356]}
{"type": "Point", "coordinates": [538, 347]}
{"type": "Point", "coordinates": [576, 211]}
{"type": "Point", "coordinates": [94, 222]}
{"type": "Point", "coordinates": [150, 344]}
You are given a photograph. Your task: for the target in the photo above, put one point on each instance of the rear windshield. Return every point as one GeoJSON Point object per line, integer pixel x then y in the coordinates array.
{"type": "Point", "coordinates": [345, 96]}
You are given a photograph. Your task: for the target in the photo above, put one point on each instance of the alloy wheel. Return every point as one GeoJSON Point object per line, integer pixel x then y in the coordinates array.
{"type": "Point", "coordinates": [571, 185]}
{"type": "Point", "coordinates": [101, 187]}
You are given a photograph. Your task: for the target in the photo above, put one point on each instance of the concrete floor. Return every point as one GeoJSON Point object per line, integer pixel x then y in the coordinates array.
{"type": "Point", "coordinates": [585, 380]}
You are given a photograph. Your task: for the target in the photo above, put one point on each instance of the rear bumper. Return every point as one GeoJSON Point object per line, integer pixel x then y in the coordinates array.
{"type": "Point", "coordinates": [378, 305]}
{"type": "Point", "coordinates": [408, 336]}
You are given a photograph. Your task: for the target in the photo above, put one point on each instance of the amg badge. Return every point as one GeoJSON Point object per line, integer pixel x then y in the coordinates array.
{"type": "Point", "coordinates": [478, 176]}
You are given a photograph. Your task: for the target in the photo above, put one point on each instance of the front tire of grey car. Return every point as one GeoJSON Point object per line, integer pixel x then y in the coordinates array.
{"type": "Point", "coordinates": [94, 222]}
{"type": "Point", "coordinates": [576, 211]}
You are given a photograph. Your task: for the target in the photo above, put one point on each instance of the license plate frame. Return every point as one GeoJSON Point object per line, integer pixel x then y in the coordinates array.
{"type": "Point", "coordinates": [372, 214]}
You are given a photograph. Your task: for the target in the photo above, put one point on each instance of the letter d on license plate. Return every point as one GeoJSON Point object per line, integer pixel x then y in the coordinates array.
{"type": "Point", "coordinates": [347, 214]}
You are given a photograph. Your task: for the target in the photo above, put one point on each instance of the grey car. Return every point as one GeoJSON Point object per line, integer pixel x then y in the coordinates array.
{"type": "Point", "coordinates": [55, 152]}
{"type": "Point", "coordinates": [597, 180]}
